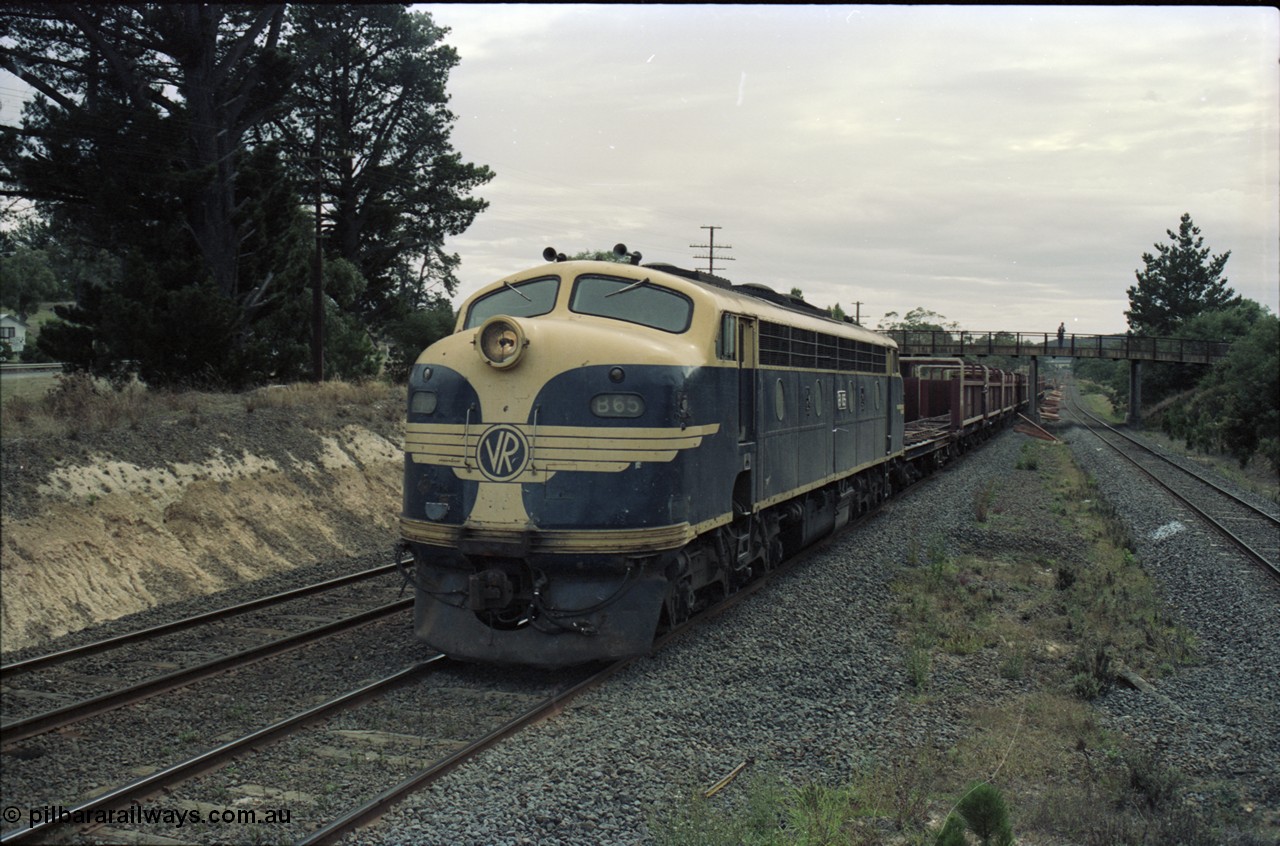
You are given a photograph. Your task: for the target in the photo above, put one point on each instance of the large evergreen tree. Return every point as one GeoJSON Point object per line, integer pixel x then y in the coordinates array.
{"type": "Point", "coordinates": [1179, 282]}
{"type": "Point", "coordinates": [176, 140]}
{"type": "Point", "coordinates": [370, 100]}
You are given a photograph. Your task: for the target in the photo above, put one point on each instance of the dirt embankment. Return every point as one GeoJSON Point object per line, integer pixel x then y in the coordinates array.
{"type": "Point", "coordinates": [96, 525]}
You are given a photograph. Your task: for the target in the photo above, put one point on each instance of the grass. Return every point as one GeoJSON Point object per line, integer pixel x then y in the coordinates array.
{"type": "Point", "coordinates": [65, 405]}
{"type": "Point", "coordinates": [1042, 636]}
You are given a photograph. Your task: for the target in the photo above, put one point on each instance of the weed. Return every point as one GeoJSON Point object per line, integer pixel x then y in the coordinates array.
{"type": "Point", "coordinates": [1153, 785]}
{"type": "Point", "coordinates": [816, 813]}
{"type": "Point", "coordinates": [17, 410]}
{"type": "Point", "coordinates": [899, 790]}
{"type": "Point", "coordinates": [1065, 577]}
{"type": "Point", "coordinates": [918, 664]}
{"type": "Point", "coordinates": [982, 499]}
{"type": "Point", "coordinates": [1013, 667]}
{"type": "Point", "coordinates": [1094, 671]}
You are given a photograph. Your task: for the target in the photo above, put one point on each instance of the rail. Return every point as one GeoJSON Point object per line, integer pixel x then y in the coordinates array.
{"type": "Point", "coordinates": [1130, 347]}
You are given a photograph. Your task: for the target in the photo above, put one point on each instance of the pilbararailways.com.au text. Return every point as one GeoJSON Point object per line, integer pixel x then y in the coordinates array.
{"type": "Point", "coordinates": [136, 814]}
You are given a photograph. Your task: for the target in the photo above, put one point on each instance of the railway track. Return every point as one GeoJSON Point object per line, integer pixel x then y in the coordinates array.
{"type": "Point", "coordinates": [1252, 530]}
{"type": "Point", "coordinates": [78, 690]}
{"type": "Point", "coordinates": [413, 725]}
{"type": "Point", "coordinates": [218, 614]}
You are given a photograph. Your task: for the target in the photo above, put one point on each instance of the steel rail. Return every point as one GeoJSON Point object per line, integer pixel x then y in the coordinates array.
{"type": "Point", "coordinates": [94, 648]}
{"type": "Point", "coordinates": [1271, 566]}
{"type": "Point", "coordinates": [77, 711]}
{"type": "Point", "coordinates": [183, 770]}
{"type": "Point", "coordinates": [1275, 521]}
{"type": "Point", "coordinates": [380, 804]}
{"type": "Point", "coordinates": [383, 802]}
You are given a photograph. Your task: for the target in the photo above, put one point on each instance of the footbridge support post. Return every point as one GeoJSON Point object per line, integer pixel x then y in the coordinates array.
{"type": "Point", "coordinates": [1135, 393]}
{"type": "Point", "coordinates": [1033, 385]}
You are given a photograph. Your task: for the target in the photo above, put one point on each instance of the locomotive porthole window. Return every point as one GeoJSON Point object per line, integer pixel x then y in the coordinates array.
{"type": "Point", "coordinates": [779, 400]}
{"type": "Point", "coordinates": [817, 398]}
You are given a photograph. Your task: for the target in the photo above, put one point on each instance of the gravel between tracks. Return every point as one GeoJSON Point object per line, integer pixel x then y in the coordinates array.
{"type": "Point", "coordinates": [807, 679]}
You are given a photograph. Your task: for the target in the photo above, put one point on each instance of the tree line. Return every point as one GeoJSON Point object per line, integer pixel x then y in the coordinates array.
{"type": "Point", "coordinates": [1231, 407]}
{"type": "Point", "coordinates": [176, 158]}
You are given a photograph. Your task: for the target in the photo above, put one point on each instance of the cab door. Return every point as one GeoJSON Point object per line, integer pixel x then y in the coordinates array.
{"type": "Point", "coordinates": [746, 354]}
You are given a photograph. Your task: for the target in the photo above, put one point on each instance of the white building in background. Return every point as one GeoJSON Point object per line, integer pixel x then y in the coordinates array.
{"type": "Point", "coordinates": [14, 331]}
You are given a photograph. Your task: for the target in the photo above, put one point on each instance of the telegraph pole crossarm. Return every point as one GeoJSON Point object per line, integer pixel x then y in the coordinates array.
{"type": "Point", "coordinates": [710, 247]}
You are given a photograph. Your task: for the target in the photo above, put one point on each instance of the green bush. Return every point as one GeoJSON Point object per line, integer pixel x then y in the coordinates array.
{"type": "Point", "coordinates": [952, 833]}
{"type": "Point", "coordinates": [984, 809]}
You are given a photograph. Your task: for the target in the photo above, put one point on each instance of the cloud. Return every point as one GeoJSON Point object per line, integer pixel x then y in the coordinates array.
{"type": "Point", "coordinates": [978, 161]}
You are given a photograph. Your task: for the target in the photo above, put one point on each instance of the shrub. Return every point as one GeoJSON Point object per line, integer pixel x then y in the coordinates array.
{"type": "Point", "coordinates": [952, 833]}
{"type": "Point", "coordinates": [984, 809]}
{"type": "Point", "coordinates": [1154, 785]}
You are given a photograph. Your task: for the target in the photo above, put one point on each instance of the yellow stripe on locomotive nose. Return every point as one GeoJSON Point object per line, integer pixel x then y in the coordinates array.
{"type": "Point", "coordinates": [555, 541]}
{"type": "Point", "coordinates": [587, 449]}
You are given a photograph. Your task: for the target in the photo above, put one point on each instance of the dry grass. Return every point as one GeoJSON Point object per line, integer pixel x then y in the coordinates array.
{"type": "Point", "coordinates": [72, 404]}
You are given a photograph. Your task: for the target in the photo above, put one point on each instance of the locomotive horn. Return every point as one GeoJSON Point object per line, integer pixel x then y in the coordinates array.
{"type": "Point", "coordinates": [549, 254]}
{"type": "Point", "coordinates": [621, 250]}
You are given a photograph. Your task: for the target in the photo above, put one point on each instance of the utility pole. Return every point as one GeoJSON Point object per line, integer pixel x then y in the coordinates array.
{"type": "Point", "coordinates": [857, 312]}
{"type": "Point", "coordinates": [710, 247]}
{"type": "Point", "coordinates": [317, 274]}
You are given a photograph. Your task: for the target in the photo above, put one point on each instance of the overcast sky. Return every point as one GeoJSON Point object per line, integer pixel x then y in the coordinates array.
{"type": "Point", "coordinates": [1004, 166]}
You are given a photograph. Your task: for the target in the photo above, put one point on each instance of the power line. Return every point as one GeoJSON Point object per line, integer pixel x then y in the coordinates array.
{"type": "Point", "coordinates": [710, 247]}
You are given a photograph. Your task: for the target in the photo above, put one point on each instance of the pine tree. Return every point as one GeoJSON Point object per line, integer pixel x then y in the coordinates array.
{"type": "Point", "coordinates": [1182, 281]}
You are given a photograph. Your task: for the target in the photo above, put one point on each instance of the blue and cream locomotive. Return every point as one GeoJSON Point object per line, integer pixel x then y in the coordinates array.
{"type": "Point", "coordinates": [602, 448]}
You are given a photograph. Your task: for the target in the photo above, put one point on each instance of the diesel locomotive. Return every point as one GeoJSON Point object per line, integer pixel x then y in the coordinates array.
{"type": "Point", "coordinates": [602, 448]}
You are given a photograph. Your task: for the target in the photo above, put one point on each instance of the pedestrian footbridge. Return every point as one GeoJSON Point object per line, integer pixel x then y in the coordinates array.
{"type": "Point", "coordinates": [1036, 345]}
{"type": "Point", "coordinates": [1042, 344]}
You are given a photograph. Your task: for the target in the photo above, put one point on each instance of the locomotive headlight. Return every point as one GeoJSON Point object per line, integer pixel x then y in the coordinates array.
{"type": "Point", "coordinates": [501, 342]}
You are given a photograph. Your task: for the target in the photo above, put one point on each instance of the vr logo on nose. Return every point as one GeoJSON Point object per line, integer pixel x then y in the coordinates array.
{"type": "Point", "coordinates": [502, 453]}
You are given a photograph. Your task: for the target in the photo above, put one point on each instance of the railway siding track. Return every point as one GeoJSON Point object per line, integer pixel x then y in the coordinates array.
{"type": "Point", "coordinates": [65, 767]}
{"type": "Point", "coordinates": [1253, 530]}
{"type": "Point", "coordinates": [305, 766]}
{"type": "Point", "coordinates": [75, 712]}
{"type": "Point", "coordinates": [166, 655]}
{"type": "Point", "coordinates": [218, 614]}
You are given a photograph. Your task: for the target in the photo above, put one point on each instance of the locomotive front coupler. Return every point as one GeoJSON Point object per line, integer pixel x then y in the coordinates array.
{"type": "Point", "coordinates": [489, 590]}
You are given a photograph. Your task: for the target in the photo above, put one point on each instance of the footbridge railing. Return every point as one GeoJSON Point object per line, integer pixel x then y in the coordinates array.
{"type": "Point", "coordinates": [1130, 347]}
